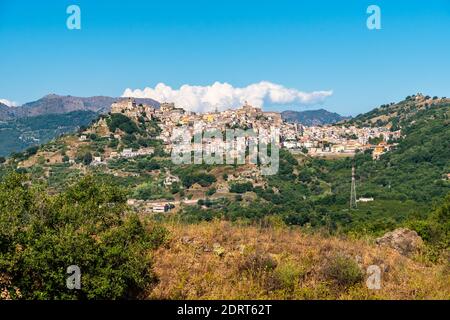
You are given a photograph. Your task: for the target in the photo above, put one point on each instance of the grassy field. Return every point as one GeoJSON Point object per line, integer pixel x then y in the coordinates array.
{"type": "Point", "coordinates": [220, 260]}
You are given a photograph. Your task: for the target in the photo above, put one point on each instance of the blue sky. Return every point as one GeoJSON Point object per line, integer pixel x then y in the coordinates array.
{"type": "Point", "coordinates": [306, 45]}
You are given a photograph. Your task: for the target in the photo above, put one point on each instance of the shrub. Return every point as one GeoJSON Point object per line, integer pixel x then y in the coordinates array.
{"type": "Point", "coordinates": [203, 179]}
{"type": "Point", "coordinates": [211, 191]}
{"type": "Point", "coordinates": [435, 230]}
{"type": "Point", "coordinates": [32, 150]}
{"type": "Point", "coordinates": [87, 158]}
{"type": "Point", "coordinates": [41, 235]}
{"type": "Point", "coordinates": [285, 277]}
{"type": "Point", "coordinates": [241, 187]}
{"type": "Point", "coordinates": [113, 143]}
{"type": "Point", "coordinates": [257, 262]}
{"type": "Point", "coordinates": [342, 270]}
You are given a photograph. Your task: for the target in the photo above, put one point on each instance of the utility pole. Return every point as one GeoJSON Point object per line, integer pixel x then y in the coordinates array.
{"type": "Point", "coordinates": [353, 204]}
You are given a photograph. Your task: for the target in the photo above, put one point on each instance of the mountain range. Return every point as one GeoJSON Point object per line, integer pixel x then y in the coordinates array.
{"type": "Point", "coordinates": [57, 104]}
{"type": "Point", "coordinates": [6, 112]}
{"type": "Point", "coordinates": [312, 117]}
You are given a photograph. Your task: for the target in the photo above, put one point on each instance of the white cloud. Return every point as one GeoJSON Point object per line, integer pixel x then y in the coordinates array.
{"type": "Point", "coordinates": [8, 103]}
{"type": "Point", "coordinates": [225, 96]}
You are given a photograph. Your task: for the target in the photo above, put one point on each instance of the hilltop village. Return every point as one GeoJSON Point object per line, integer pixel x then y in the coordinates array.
{"type": "Point", "coordinates": [115, 134]}
{"type": "Point", "coordinates": [316, 141]}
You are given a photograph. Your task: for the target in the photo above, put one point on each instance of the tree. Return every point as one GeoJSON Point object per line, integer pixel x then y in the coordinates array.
{"type": "Point", "coordinates": [32, 150]}
{"type": "Point", "coordinates": [113, 143]}
{"type": "Point", "coordinates": [87, 158]}
{"type": "Point", "coordinates": [211, 191]}
{"type": "Point", "coordinates": [41, 235]}
{"type": "Point", "coordinates": [122, 122]}
{"type": "Point", "coordinates": [435, 230]}
{"type": "Point", "coordinates": [203, 179]}
{"type": "Point", "coordinates": [241, 187]}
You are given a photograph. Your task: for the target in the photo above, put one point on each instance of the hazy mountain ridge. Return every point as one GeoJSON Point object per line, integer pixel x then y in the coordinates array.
{"type": "Point", "coordinates": [56, 104]}
{"type": "Point", "coordinates": [40, 121]}
{"type": "Point", "coordinates": [6, 112]}
{"type": "Point", "coordinates": [312, 117]}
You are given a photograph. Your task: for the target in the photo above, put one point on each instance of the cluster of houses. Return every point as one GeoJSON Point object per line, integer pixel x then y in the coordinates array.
{"type": "Point", "coordinates": [340, 140]}
{"type": "Point", "coordinates": [126, 153]}
{"type": "Point", "coordinates": [170, 117]}
{"type": "Point", "coordinates": [317, 140]}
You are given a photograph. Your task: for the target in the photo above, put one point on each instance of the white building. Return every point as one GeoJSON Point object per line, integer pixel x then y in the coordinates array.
{"type": "Point", "coordinates": [365, 200]}
{"type": "Point", "coordinates": [128, 153]}
{"type": "Point", "coordinates": [170, 179]}
{"type": "Point", "coordinates": [160, 208]}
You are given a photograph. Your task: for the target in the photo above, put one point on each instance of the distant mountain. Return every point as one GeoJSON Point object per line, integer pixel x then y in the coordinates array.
{"type": "Point", "coordinates": [56, 104]}
{"type": "Point", "coordinates": [40, 121]}
{"type": "Point", "coordinates": [6, 112]}
{"type": "Point", "coordinates": [21, 133]}
{"type": "Point", "coordinates": [312, 117]}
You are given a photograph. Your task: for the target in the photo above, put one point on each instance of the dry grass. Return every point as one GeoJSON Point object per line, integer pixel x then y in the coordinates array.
{"type": "Point", "coordinates": [219, 260]}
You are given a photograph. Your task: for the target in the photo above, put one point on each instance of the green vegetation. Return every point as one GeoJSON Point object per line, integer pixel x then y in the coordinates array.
{"type": "Point", "coordinates": [406, 183]}
{"type": "Point", "coordinates": [191, 175]}
{"type": "Point", "coordinates": [241, 187]}
{"type": "Point", "coordinates": [19, 134]}
{"type": "Point", "coordinates": [122, 122]}
{"type": "Point", "coordinates": [57, 216]}
{"type": "Point", "coordinates": [343, 271]}
{"type": "Point", "coordinates": [435, 229]}
{"type": "Point", "coordinates": [87, 226]}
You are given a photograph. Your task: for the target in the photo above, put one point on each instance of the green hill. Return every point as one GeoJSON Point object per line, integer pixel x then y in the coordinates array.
{"type": "Point", "coordinates": [19, 134]}
{"type": "Point", "coordinates": [415, 169]}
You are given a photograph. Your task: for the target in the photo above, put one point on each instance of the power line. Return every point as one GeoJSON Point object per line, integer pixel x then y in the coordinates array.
{"type": "Point", "coordinates": [353, 204]}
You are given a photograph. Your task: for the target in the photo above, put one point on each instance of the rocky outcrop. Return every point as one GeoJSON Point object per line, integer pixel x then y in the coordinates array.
{"type": "Point", "coordinates": [404, 240]}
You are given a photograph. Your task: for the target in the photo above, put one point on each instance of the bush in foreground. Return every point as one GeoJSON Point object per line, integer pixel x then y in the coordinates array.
{"type": "Point", "coordinates": [41, 235]}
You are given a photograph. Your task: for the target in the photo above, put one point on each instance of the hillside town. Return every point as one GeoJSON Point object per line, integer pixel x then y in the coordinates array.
{"type": "Point", "coordinates": [316, 141]}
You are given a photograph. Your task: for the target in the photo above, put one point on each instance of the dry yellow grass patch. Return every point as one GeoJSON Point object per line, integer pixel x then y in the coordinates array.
{"type": "Point", "coordinates": [219, 260]}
